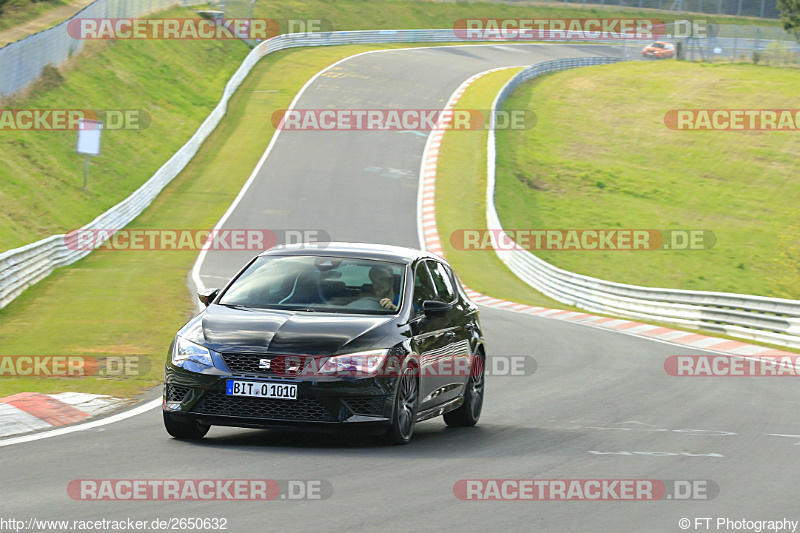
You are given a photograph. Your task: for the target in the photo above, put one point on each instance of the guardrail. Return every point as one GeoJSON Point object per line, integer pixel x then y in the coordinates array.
{"type": "Point", "coordinates": [22, 267]}
{"type": "Point", "coordinates": [770, 320]}
{"type": "Point", "coordinates": [22, 62]}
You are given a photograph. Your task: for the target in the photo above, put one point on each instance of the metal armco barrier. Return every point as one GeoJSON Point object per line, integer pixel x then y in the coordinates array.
{"type": "Point", "coordinates": [22, 62]}
{"type": "Point", "coordinates": [22, 267]}
{"type": "Point", "coordinates": [777, 320]}
{"type": "Point", "coordinates": [770, 320]}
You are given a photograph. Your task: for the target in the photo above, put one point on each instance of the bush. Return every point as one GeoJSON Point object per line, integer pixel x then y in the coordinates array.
{"type": "Point", "coordinates": [49, 79]}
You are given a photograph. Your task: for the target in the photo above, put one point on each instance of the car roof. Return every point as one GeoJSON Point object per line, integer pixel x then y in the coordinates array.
{"type": "Point", "coordinates": [350, 249]}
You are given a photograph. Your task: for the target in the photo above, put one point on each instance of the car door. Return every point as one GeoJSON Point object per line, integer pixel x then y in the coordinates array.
{"type": "Point", "coordinates": [456, 334]}
{"type": "Point", "coordinates": [429, 340]}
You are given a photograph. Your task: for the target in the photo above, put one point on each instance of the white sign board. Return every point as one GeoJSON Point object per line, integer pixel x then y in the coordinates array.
{"type": "Point", "coordinates": [89, 136]}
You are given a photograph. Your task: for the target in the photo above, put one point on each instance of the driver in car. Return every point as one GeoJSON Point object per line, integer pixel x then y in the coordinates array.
{"type": "Point", "coordinates": [382, 280]}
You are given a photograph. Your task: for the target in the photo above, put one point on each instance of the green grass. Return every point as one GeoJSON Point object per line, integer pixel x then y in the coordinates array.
{"type": "Point", "coordinates": [394, 14]}
{"type": "Point", "coordinates": [350, 14]}
{"type": "Point", "coordinates": [461, 202]}
{"type": "Point", "coordinates": [42, 167]}
{"type": "Point", "coordinates": [16, 12]}
{"type": "Point", "coordinates": [132, 302]}
{"type": "Point", "coordinates": [600, 156]}
{"type": "Point", "coordinates": [126, 303]}
{"type": "Point", "coordinates": [41, 174]}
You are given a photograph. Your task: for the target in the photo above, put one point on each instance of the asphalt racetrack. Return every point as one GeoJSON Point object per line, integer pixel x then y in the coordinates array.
{"type": "Point", "coordinates": [599, 406]}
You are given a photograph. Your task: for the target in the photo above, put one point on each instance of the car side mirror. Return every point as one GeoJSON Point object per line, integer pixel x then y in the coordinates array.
{"type": "Point", "coordinates": [433, 308]}
{"type": "Point", "coordinates": [207, 296]}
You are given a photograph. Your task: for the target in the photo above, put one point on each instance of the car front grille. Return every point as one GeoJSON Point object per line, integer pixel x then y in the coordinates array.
{"type": "Point", "coordinates": [176, 393]}
{"type": "Point", "coordinates": [369, 406]}
{"type": "Point", "coordinates": [302, 409]}
{"type": "Point", "coordinates": [243, 363]}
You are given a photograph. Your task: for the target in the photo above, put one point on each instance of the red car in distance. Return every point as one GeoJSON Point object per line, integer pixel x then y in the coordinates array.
{"type": "Point", "coordinates": [658, 50]}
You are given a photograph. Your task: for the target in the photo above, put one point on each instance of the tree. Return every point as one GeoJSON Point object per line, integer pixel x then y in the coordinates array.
{"type": "Point", "coordinates": [790, 16]}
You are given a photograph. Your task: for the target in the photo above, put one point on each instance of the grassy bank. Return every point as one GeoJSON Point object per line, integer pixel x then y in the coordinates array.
{"type": "Point", "coordinates": [396, 14]}
{"type": "Point", "coordinates": [460, 204]}
{"type": "Point", "coordinates": [131, 303]}
{"type": "Point", "coordinates": [16, 12]}
{"type": "Point", "coordinates": [176, 83]}
{"type": "Point", "coordinates": [601, 156]}
{"type": "Point", "coordinates": [42, 175]}
{"type": "Point", "coordinates": [461, 201]}
{"type": "Point", "coordinates": [115, 303]}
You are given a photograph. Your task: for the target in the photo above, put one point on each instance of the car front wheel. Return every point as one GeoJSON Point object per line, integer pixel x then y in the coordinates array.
{"type": "Point", "coordinates": [404, 414]}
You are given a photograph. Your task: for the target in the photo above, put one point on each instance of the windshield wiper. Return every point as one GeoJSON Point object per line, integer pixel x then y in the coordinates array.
{"type": "Point", "coordinates": [236, 306]}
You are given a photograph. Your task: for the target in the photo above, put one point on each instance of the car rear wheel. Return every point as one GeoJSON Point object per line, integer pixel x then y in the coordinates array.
{"type": "Point", "coordinates": [184, 428]}
{"type": "Point", "coordinates": [470, 411]}
{"type": "Point", "coordinates": [404, 414]}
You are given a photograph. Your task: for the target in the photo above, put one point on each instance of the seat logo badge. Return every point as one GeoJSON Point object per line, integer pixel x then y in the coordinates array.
{"type": "Point", "coordinates": [263, 364]}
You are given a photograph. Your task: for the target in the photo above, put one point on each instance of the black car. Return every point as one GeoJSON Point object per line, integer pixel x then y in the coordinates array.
{"type": "Point", "coordinates": [329, 336]}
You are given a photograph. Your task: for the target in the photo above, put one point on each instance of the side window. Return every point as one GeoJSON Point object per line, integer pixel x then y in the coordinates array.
{"type": "Point", "coordinates": [423, 287]}
{"type": "Point", "coordinates": [442, 280]}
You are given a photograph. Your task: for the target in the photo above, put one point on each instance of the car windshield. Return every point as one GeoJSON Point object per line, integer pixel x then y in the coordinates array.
{"type": "Point", "coordinates": [657, 45]}
{"type": "Point", "coordinates": [319, 284]}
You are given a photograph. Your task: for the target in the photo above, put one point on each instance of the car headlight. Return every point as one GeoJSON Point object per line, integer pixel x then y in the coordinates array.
{"type": "Point", "coordinates": [186, 351]}
{"type": "Point", "coordinates": [354, 363]}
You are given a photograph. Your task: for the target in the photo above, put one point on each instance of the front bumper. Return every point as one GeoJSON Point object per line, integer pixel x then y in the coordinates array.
{"type": "Point", "coordinates": [320, 404]}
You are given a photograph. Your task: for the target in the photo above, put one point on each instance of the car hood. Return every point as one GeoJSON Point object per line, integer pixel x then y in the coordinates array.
{"type": "Point", "coordinates": [225, 329]}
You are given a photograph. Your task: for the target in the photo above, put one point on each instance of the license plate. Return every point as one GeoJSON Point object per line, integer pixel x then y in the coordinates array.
{"type": "Point", "coordinates": [279, 391]}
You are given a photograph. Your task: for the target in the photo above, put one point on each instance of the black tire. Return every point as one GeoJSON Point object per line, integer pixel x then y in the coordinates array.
{"type": "Point", "coordinates": [184, 428]}
{"type": "Point", "coordinates": [406, 404]}
{"type": "Point", "coordinates": [470, 411]}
